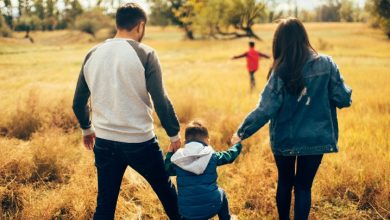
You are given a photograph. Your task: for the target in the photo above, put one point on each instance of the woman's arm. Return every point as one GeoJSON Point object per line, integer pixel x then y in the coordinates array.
{"type": "Point", "coordinates": [270, 101]}
{"type": "Point", "coordinates": [339, 92]}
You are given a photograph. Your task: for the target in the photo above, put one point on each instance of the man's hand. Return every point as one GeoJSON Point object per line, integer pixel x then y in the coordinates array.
{"type": "Point", "coordinates": [235, 139]}
{"type": "Point", "coordinates": [174, 146]}
{"type": "Point", "coordinates": [89, 141]}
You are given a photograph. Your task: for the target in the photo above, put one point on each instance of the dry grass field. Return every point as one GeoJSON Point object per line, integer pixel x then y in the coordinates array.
{"type": "Point", "coordinates": [45, 173]}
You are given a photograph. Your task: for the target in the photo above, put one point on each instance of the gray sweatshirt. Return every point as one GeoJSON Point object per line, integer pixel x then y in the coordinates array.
{"type": "Point", "coordinates": [118, 77]}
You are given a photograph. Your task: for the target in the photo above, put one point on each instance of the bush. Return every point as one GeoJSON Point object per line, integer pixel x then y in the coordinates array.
{"type": "Point", "coordinates": [25, 120]}
{"type": "Point", "coordinates": [92, 21]}
{"type": "Point", "coordinates": [61, 116]}
{"type": "Point", "coordinates": [5, 31]}
{"type": "Point", "coordinates": [27, 22]}
{"type": "Point", "coordinates": [11, 200]}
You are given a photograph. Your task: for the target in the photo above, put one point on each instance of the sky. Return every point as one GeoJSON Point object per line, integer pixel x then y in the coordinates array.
{"type": "Point", "coordinates": [283, 4]}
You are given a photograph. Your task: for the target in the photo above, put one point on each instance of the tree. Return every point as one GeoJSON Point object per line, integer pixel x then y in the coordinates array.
{"type": "Point", "coordinates": [329, 11]}
{"type": "Point", "coordinates": [350, 11]}
{"type": "Point", "coordinates": [39, 9]}
{"type": "Point", "coordinates": [347, 11]}
{"type": "Point", "coordinates": [5, 31]}
{"type": "Point", "coordinates": [160, 14]}
{"type": "Point", "coordinates": [242, 15]}
{"type": "Point", "coordinates": [184, 14]}
{"type": "Point", "coordinates": [68, 16]}
{"type": "Point", "coordinates": [213, 18]}
{"type": "Point", "coordinates": [380, 10]}
{"type": "Point", "coordinates": [6, 11]}
{"type": "Point", "coordinates": [92, 21]}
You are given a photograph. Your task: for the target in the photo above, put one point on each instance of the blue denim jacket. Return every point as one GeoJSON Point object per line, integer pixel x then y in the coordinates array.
{"type": "Point", "coordinates": [304, 124]}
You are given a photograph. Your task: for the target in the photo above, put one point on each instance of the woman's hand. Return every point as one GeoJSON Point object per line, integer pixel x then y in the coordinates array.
{"type": "Point", "coordinates": [235, 139]}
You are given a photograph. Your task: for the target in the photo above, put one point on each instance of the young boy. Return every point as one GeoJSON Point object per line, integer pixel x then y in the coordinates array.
{"type": "Point", "coordinates": [195, 166]}
{"type": "Point", "coordinates": [252, 59]}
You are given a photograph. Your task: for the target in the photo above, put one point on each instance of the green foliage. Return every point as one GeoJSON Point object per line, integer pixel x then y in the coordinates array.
{"type": "Point", "coordinates": [346, 11]}
{"type": "Point", "coordinates": [161, 14]}
{"type": "Point", "coordinates": [329, 12]}
{"type": "Point", "coordinates": [213, 18]}
{"type": "Point", "coordinates": [380, 12]}
{"type": "Point", "coordinates": [92, 21]}
{"type": "Point", "coordinates": [28, 22]}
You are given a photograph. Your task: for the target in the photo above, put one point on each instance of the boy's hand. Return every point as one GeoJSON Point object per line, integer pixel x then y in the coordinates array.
{"type": "Point", "coordinates": [235, 139]}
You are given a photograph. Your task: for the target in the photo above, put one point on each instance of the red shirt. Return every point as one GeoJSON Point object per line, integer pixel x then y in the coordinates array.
{"type": "Point", "coordinates": [252, 60]}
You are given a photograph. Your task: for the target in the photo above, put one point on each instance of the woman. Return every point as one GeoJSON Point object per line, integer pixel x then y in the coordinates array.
{"type": "Point", "coordinates": [300, 99]}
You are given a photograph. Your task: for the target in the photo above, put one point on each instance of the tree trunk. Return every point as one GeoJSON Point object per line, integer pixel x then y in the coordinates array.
{"type": "Point", "coordinates": [189, 33]}
{"type": "Point", "coordinates": [248, 32]}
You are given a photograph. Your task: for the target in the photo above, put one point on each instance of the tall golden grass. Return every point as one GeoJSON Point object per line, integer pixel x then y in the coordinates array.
{"type": "Point", "coordinates": [45, 173]}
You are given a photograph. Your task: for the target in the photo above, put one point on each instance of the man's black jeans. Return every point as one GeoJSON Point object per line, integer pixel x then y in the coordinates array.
{"type": "Point", "coordinates": [112, 159]}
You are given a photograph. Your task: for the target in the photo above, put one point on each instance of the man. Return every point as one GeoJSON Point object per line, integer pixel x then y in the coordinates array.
{"type": "Point", "coordinates": [252, 59]}
{"type": "Point", "coordinates": [118, 76]}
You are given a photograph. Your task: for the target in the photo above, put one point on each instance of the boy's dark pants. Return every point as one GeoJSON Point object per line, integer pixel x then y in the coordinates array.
{"type": "Point", "coordinates": [252, 79]}
{"type": "Point", "coordinates": [223, 213]}
{"type": "Point", "coordinates": [112, 159]}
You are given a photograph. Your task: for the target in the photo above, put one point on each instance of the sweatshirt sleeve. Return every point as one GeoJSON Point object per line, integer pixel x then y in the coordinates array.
{"type": "Point", "coordinates": [169, 166]}
{"type": "Point", "coordinates": [81, 107]}
{"type": "Point", "coordinates": [339, 92]}
{"type": "Point", "coordinates": [228, 156]}
{"type": "Point", "coordinates": [270, 101]}
{"type": "Point", "coordinates": [161, 101]}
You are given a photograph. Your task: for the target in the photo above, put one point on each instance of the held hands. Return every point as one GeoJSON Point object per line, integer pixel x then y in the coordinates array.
{"type": "Point", "coordinates": [174, 146]}
{"type": "Point", "coordinates": [235, 139]}
{"type": "Point", "coordinates": [89, 141]}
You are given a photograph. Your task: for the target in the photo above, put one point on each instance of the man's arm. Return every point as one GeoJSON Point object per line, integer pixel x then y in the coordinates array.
{"type": "Point", "coordinates": [264, 55]}
{"type": "Point", "coordinates": [228, 156]}
{"type": "Point", "coordinates": [80, 103]}
{"type": "Point", "coordinates": [240, 56]}
{"type": "Point", "coordinates": [81, 108]}
{"type": "Point", "coordinates": [162, 104]}
{"type": "Point", "coordinates": [169, 166]}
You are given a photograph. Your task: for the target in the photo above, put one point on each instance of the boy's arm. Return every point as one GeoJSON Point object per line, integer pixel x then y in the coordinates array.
{"type": "Point", "coordinates": [169, 167]}
{"type": "Point", "coordinates": [240, 56]}
{"type": "Point", "coordinates": [228, 156]}
{"type": "Point", "coordinates": [264, 55]}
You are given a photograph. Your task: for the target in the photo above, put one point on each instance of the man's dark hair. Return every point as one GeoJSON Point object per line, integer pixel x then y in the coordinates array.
{"type": "Point", "coordinates": [251, 44]}
{"type": "Point", "coordinates": [129, 15]}
{"type": "Point", "coordinates": [196, 131]}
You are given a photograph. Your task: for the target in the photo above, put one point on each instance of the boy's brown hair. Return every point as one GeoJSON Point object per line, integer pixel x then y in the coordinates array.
{"type": "Point", "coordinates": [196, 131]}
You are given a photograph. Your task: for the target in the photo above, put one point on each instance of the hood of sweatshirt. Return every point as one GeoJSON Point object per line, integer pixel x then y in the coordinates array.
{"type": "Point", "coordinates": [194, 157]}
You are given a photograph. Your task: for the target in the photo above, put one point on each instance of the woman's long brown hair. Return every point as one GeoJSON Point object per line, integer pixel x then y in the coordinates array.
{"type": "Point", "coordinates": [291, 49]}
